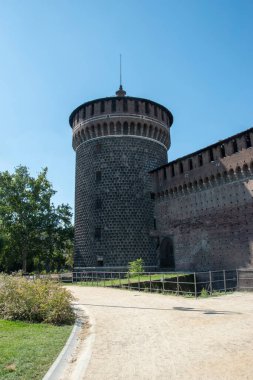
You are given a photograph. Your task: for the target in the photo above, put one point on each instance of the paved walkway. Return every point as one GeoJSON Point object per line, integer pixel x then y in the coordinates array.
{"type": "Point", "coordinates": [151, 336]}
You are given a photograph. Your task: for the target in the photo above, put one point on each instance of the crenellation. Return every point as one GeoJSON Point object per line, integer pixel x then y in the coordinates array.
{"type": "Point", "coordinates": [193, 213]}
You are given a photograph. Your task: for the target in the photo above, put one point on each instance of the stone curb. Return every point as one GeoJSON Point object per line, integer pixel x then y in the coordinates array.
{"type": "Point", "coordinates": [61, 362]}
{"type": "Point", "coordinates": [60, 366]}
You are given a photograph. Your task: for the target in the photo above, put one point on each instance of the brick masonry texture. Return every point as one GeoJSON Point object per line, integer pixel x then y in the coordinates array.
{"type": "Point", "coordinates": [126, 214]}
{"type": "Point", "coordinates": [200, 214]}
{"type": "Point", "coordinates": [207, 211]}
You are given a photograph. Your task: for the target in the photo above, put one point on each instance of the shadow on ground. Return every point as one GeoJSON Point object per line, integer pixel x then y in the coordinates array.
{"type": "Point", "coordinates": [203, 311]}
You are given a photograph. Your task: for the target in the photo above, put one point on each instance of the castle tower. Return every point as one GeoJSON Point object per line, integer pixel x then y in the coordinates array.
{"type": "Point", "coordinates": [117, 140]}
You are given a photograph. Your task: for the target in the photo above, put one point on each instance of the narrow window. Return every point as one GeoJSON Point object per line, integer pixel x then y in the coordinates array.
{"type": "Point", "coordinates": [98, 204]}
{"type": "Point", "coordinates": [200, 159]}
{"type": "Point", "coordinates": [164, 173]}
{"type": "Point", "coordinates": [152, 196]}
{"type": "Point", "coordinates": [210, 152]}
{"type": "Point", "coordinates": [125, 128]}
{"type": "Point", "coordinates": [92, 109]}
{"type": "Point", "coordinates": [84, 112]}
{"type": "Point", "coordinates": [102, 106]}
{"type": "Point", "coordinates": [147, 108]}
{"type": "Point", "coordinates": [172, 171]}
{"type": "Point", "coordinates": [100, 262]}
{"type": "Point", "coordinates": [124, 105]}
{"type": "Point", "coordinates": [162, 115]}
{"type": "Point", "coordinates": [181, 167]}
{"type": "Point", "coordinates": [190, 164]}
{"type": "Point", "coordinates": [98, 148]}
{"type": "Point", "coordinates": [97, 234]}
{"type": "Point", "coordinates": [154, 224]}
{"type": "Point", "coordinates": [235, 147]}
{"type": "Point", "coordinates": [98, 176]}
{"type": "Point", "coordinates": [155, 111]}
{"type": "Point", "coordinates": [247, 141]}
{"type": "Point", "coordinates": [136, 106]}
{"type": "Point", "coordinates": [77, 117]}
{"type": "Point", "coordinates": [222, 151]}
{"type": "Point", "coordinates": [113, 105]}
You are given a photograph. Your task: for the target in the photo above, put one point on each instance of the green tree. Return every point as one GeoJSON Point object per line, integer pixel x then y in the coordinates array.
{"type": "Point", "coordinates": [34, 234]}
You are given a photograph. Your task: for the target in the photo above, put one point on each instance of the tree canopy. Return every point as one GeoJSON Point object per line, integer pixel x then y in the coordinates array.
{"type": "Point", "coordinates": [34, 234]}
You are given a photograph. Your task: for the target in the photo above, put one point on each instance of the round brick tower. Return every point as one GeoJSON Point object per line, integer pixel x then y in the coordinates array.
{"type": "Point", "coordinates": [117, 140]}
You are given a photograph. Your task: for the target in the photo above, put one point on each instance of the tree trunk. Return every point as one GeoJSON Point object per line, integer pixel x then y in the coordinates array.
{"type": "Point", "coordinates": [24, 261]}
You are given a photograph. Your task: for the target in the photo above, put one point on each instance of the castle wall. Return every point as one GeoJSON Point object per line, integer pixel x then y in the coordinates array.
{"type": "Point", "coordinates": [203, 204]}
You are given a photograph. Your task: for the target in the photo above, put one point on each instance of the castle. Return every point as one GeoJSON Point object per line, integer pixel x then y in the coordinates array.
{"type": "Point", "coordinates": [194, 213]}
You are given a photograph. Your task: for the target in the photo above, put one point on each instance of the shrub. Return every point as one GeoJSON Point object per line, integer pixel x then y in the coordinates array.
{"type": "Point", "coordinates": [204, 293]}
{"type": "Point", "coordinates": [136, 267]}
{"type": "Point", "coordinates": [35, 301]}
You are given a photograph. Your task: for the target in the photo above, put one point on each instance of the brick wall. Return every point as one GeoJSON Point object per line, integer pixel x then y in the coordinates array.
{"type": "Point", "coordinates": [208, 211]}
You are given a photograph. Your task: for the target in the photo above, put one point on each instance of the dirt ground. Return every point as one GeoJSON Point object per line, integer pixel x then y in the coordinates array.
{"type": "Point", "coordinates": [152, 336]}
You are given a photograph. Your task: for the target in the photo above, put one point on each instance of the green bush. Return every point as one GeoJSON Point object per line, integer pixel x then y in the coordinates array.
{"type": "Point", "coordinates": [35, 301]}
{"type": "Point", "coordinates": [136, 267]}
{"type": "Point", "coordinates": [204, 293]}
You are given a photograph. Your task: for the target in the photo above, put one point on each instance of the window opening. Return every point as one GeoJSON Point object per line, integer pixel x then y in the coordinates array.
{"type": "Point", "coordinates": [92, 109]}
{"type": "Point", "coordinates": [172, 171]}
{"type": "Point", "coordinates": [98, 204]}
{"type": "Point", "coordinates": [124, 105]}
{"type": "Point", "coordinates": [200, 158]}
{"type": "Point", "coordinates": [97, 234]}
{"type": "Point", "coordinates": [98, 176]}
{"type": "Point", "coordinates": [211, 155]}
{"type": "Point", "coordinates": [235, 147]}
{"type": "Point", "coordinates": [248, 141]}
{"type": "Point", "coordinates": [222, 151]}
{"type": "Point", "coordinates": [113, 105]}
{"type": "Point", "coordinates": [98, 148]}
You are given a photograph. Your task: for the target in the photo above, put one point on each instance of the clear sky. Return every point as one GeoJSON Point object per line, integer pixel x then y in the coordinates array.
{"type": "Point", "coordinates": [193, 56]}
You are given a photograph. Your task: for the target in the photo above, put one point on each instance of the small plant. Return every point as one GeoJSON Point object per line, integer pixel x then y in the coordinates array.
{"type": "Point", "coordinates": [204, 293]}
{"type": "Point", "coordinates": [136, 267]}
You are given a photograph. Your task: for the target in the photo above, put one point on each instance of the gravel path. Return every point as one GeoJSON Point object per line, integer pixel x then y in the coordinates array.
{"type": "Point", "coordinates": [151, 336]}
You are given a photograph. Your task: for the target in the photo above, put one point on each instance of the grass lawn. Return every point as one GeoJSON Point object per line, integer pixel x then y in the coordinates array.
{"type": "Point", "coordinates": [27, 350]}
{"type": "Point", "coordinates": [99, 281]}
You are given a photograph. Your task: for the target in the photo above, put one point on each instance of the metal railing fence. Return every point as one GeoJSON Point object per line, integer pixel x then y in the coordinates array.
{"type": "Point", "coordinates": [190, 283]}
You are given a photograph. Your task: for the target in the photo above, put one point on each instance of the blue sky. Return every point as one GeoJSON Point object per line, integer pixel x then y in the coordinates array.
{"type": "Point", "coordinates": [193, 56]}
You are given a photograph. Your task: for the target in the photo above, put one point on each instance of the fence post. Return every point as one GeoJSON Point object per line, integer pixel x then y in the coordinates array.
{"type": "Point", "coordinates": [210, 282]}
{"type": "Point", "coordinates": [119, 280]}
{"type": "Point", "coordinates": [225, 282]}
{"type": "Point", "coordinates": [237, 280]}
{"type": "Point", "coordinates": [162, 283]}
{"type": "Point", "coordinates": [177, 285]}
{"type": "Point", "coordinates": [150, 283]}
{"type": "Point", "coordinates": [195, 285]}
{"type": "Point", "coordinates": [139, 285]}
{"type": "Point", "coordinates": [91, 278]}
{"type": "Point", "coordinates": [128, 280]}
